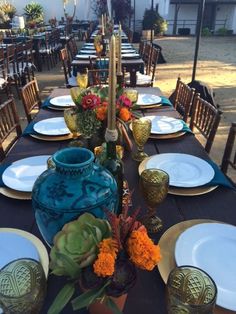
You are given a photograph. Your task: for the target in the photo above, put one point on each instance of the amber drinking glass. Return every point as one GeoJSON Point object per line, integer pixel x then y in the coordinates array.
{"type": "Point", "coordinates": [154, 184]}
{"type": "Point", "coordinates": [132, 94]}
{"type": "Point", "coordinates": [141, 131]}
{"type": "Point", "coordinates": [82, 80]}
{"type": "Point", "coordinates": [70, 116]}
{"type": "Point", "coordinates": [22, 287]}
{"type": "Point", "coordinates": [190, 290]}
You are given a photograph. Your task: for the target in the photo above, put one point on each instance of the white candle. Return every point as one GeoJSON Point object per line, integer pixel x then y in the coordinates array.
{"type": "Point", "coordinates": [102, 25]}
{"type": "Point", "coordinates": [119, 69]}
{"type": "Point", "coordinates": [111, 122]}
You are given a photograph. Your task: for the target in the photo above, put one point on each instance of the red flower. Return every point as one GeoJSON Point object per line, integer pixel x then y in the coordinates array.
{"type": "Point", "coordinates": [90, 101]}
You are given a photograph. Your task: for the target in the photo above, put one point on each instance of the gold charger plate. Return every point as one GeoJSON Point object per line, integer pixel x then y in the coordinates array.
{"type": "Point", "coordinates": [181, 191]}
{"type": "Point", "coordinates": [52, 138]}
{"type": "Point", "coordinates": [148, 106]}
{"type": "Point", "coordinates": [167, 136]}
{"type": "Point", "coordinates": [15, 194]}
{"type": "Point", "coordinates": [167, 245]}
{"type": "Point", "coordinates": [43, 254]}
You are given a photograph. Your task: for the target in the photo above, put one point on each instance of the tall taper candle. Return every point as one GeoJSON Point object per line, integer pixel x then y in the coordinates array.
{"type": "Point", "coordinates": [102, 25]}
{"type": "Point", "coordinates": [111, 123]}
{"type": "Point", "coordinates": [119, 69]}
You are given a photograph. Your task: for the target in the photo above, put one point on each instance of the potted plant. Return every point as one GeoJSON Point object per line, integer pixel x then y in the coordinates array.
{"type": "Point", "coordinates": [101, 256]}
{"type": "Point", "coordinates": [34, 13]}
{"type": "Point", "coordinates": [153, 21]}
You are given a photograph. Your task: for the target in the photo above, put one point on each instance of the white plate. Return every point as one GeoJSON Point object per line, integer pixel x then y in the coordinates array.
{"type": "Point", "coordinates": [52, 126]}
{"type": "Point", "coordinates": [86, 56]}
{"type": "Point", "coordinates": [22, 174]}
{"type": "Point", "coordinates": [14, 246]}
{"type": "Point", "coordinates": [130, 55]}
{"type": "Point", "coordinates": [165, 125]}
{"type": "Point", "coordinates": [88, 52]}
{"type": "Point", "coordinates": [148, 99]}
{"type": "Point", "coordinates": [89, 45]}
{"type": "Point", "coordinates": [212, 247]}
{"type": "Point", "coordinates": [184, 170]}
{"type": "Point", "coordinates": [62, 101]}
{"type": "Point", "coordinates": [88, 48]}
{"type": "Point", "coordinates": [128, 50]}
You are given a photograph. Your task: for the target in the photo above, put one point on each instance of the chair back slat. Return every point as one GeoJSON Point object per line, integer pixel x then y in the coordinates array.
{"type": "Point", "coordinates": [30, 98]}
{"type": "Point", "coordinates": [9, 125]}
{"type": "Point", "coordinates": [205, 118]}
{"type": "Point", "coordinates": [229, 158]}
{"type": "Point", "coordinates": [65, 64]}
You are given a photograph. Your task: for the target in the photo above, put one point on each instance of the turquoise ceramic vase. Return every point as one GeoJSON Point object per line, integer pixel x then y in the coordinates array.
{"type": "Point", "coordinates": [73, 186]}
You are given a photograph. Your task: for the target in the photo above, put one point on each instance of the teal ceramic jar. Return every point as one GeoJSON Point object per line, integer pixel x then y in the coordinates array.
{"type": "Point", "coordinates": [75, 185]}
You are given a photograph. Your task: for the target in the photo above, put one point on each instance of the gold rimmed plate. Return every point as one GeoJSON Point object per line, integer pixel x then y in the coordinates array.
{"type": "Point", "coordinates": [42, 251]}
{"type": "Point", "coordinates": [181, 191]}
{"type": "Point", "coordinates": [15, 194]}
{"type": "Point", "coordinates": [52, 138]}
{"type": "Point", "coordinates": [167, 245]}
{"type": "Point", "coordinates": [167, 136]}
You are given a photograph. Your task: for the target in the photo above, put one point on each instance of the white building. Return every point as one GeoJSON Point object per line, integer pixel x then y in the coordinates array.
{"type": "Point", "coordinates": [178, 13]}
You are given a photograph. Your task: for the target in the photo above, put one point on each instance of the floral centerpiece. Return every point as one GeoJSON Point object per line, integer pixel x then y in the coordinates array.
{"type": "Point", "coordinates": [92, 108]}
{"type": "Point", "coordinates": [100, 257]}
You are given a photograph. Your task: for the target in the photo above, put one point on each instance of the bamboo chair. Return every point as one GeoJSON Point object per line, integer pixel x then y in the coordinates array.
{"type": "Point", "coordinates": [205, 118]}
{"type": "Point", "coordinates": [10, 128]}
{"type": "Point", "coordinates": [4, 84]}
{"type": "Point", "coordinates": [97, 77]}
{"type": "Point", "coordinates": [229, 159]}
{"type": "Point", "coordinates": [30, 99]}
{"type": "Point", "coordinates": [183, 99]}
{"type": "Point", "coordinates": [141, 49]}
{"type": "Point", "coordinates": [66, 64]}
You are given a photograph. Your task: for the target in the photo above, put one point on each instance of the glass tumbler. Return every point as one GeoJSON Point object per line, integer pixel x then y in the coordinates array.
{"type": "Point", "coordinates": [190, 290]}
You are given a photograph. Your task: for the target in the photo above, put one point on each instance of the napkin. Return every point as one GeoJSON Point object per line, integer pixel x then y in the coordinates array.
{"type": "Point", "coordinates": [219, 178]}
{"type": "Point", "coordinates": [165, 101]}
{"type": "Point", "coordinates": [2, 169]}
{"type": "Point", "coordinates": [185, 128]}
{"type": "Point", "coordinates": [29, 129]}
{"type": "Point", "coordinates": [46, 103]}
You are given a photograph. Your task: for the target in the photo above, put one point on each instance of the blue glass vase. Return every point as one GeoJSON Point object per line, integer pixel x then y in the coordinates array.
{"type": "Point", "coordinates": [73, 186]}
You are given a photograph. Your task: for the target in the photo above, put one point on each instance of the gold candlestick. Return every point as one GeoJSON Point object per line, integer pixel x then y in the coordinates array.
{"type": "Point", "coordinates": [119, 68]}
{"type": "Point", "coordinates": [112, 86]}
{"type": "Point", "coordinates": [102, 25]}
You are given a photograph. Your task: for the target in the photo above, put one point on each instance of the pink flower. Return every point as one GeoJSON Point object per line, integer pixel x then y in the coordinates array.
{"type": "Point", "coordinates": [90, 101]}
{"type": "Point", "coordinates": [124, 101]}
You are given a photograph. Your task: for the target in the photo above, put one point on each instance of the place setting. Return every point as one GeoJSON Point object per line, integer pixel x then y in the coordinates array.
{"type": "Point", "coordinates": [149, 101]}
{"type": "Point", "coordinates": [59, 103]}
{"type": "Point", "coordinates": [52, 129]}
{"type": "Point", "coordinates": [18, 178]}
{"type": "Point", "coordinates": [207, 245]}
{"type": "Point", "coordinates": [189, 175]}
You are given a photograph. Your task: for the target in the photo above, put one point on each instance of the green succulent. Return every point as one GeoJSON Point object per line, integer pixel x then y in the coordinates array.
{"type": "Point", "coordinates": [76, 245]}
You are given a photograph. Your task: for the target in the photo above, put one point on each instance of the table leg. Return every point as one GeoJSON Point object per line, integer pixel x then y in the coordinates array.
{"type": "Point", "coordinates": [133, 78]}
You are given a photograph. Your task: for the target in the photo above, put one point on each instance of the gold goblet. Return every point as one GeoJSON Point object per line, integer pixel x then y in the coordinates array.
{"type": "Point", "coordinates": [141, 130]}
{"type": "Point", "coordinates": [132, 94]}
{"type": "Point", "coordinates": [154, 185]}
{"type": "Point", "coordinates": [70, 116]}
{"type": "Point", "coordinates": [82, 80]}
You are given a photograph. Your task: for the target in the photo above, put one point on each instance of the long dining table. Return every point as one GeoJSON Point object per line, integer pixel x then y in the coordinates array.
{"type": "Point", "coordinates": [148, 294]}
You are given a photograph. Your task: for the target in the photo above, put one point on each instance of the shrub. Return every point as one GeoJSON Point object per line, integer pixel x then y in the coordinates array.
{"type": "Point", "coordinates": [34, 12]}
{"type": "Point", "coordinates": [206, 32]}
{"type": "Point", "coordinates": [153, 20]}
{"type": "Point", "coordinates": [222, 31]}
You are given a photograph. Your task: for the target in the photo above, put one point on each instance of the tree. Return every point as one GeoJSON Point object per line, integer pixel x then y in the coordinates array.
{"type": "Point", "coordinates": [99, 7]}
{"type": "Point", "coordinates": [122, 9]}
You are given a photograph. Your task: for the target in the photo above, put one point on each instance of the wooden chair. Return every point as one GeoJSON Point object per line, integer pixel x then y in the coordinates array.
{"type": "Point", "coordinates": [227, 159]}
{"type": "Point", "coordinates": [183, 98]}
{"type": "Point", "coordinates": [4, 84]}
{"type": "Point", "coordinates": [141, 49]}
{"type": "Point", "coordinates": [205, 118]}
{"type": "Point", "coordinates": [97, 77]}
{"type": "Point", "coordinates": [66, 64]}
{"type": "Point", "coordinates": [147, 80]}
{"type": "Point", "coordinates": [30, 98]}
{"type": "Point", "coordinates": [10, 128]}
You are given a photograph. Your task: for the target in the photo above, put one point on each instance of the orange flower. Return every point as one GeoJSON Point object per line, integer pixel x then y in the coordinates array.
{"type": "Point", "coordinates": [104, 265]}
{"type": "Point", "coordinates": [108, 246]}
{"type": "Point", "coordinates": [101, 113]}
{"type": "Point", "coordinates": [125, 114]}
{"type": "Point", "coordinates": [142, 251]}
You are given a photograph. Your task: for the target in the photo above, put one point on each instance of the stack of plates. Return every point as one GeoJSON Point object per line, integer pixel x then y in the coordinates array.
{"type": "Point", "coordinates": [146, 101]}
{"type": "Point", "coordinates": [130, 55]}
{"type": "Point", "coordinates": [53, 129]}
{"type": "Point", "coordinates": [21, 175]}
{"type": "Point", "coordinates": [86, 57]}
{"type": "Point", "coordinates": [188, 175]}
{"type": "Point", "coordinates": [16, 244]}
{"type": "Point", "coordinates": [61, 102]}
{"type": "Point", "coordinates": [208, 245]}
